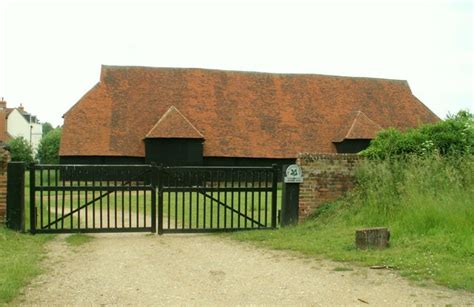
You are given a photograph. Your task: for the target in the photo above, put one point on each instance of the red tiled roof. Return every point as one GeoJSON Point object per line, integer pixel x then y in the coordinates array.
{"type": "Point", "coordinates": [173, 124]}
{"type": "Point", "coordinates": [241, 114]}
{"type": "Point", "coordinates": [359, 127]}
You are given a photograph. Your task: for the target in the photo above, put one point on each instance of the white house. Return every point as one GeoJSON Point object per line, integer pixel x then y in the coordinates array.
{"type": "Point", "coordinates": [18, 122]}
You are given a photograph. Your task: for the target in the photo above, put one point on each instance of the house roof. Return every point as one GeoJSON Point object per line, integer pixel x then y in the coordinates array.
{"type": "Point", "coordinates": [27, 116]}
{"type": "Point", "coordinates": [173, 124]}
{"type": "Point", "coordinates": [241, 114]}
{"type": "Point", "coordinates": [358, 127]}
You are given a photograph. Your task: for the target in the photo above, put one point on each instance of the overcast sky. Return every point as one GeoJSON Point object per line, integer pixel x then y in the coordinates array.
{"type": "Point", "coordinates": [51, 51]}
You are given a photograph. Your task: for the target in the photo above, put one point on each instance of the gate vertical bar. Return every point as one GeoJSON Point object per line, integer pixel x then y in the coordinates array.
{"type": "Point", "coordinates": [41, 197]}
{"type": "Point", "coordinates": [160, 199]}
{"type": "Point", "coordinates": [154, 175]}
{"type": "Point", "coordinates": [32, 200]}
{"type": "Point", "coordinates": [274, 195]}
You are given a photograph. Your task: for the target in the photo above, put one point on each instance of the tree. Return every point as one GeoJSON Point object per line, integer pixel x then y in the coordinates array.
{"type": "Point", "coordinates": [48, 149]}
{"type": "Point", "coordinates": [20, 150]}
{"type": "Point", "coordinates": [47, 127]}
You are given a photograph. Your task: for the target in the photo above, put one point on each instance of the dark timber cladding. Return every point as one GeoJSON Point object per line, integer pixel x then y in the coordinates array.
{"type": "Point", "coordinates": [352, 146]}
{"type": "Point", "coordinates": [174, 151]}
{"type": "Point", "coordinates": [109, 160]}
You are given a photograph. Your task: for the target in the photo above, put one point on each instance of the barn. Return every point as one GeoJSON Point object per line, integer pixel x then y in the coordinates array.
{"type": "Point", "coordinates": [189, 116]}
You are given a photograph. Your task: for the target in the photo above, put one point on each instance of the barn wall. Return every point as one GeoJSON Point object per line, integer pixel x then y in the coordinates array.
{"type": "Point", "coordinates": [207, 161]}
{"type": "Point", "coordinates": [326, 177]}
{"type": "Point", "coordinates": [352, 146]}
{"type": "Point", "coordinates": [100, 160]}
{"type": "Point", "coordinates": [176, 152]}
{"type": "Point", "coordinates": [229, 161]}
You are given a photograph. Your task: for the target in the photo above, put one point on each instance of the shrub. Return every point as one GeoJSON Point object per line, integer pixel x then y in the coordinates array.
{"type": "Point", "coordinates": [48, 149]}
{"type": "Point", "coordinates": [20, 150]}
{"type": "Point", "coordinates": [453, 136]}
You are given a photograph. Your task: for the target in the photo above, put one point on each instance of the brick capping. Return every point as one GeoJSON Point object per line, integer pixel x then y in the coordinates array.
{"type": "Point", "coordinates": [308, 157]}
{"type": "Point", "coordinates": [326, 177]}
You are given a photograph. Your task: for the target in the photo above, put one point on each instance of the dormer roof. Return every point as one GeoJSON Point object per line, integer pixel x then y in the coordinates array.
{"type": "Point", "coordinates": [173, 124]}
{"type": "Point", "coordinates": [360, 126]}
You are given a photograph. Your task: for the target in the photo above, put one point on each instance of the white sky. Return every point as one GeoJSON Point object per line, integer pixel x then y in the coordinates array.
{"type": "Point", "coordinates": [51, 51]}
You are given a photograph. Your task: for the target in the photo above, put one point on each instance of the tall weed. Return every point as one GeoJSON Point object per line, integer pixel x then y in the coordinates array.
{"type": "Point", "coordinates": [415, 196]}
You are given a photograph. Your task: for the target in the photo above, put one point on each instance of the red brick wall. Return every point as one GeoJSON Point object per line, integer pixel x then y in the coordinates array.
{"type": "Point", "coordinates": [326, 177]}
{"type": "Point", "coordinates": [4, 158]}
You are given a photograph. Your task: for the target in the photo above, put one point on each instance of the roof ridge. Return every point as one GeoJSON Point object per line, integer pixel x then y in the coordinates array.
{"type": "Point", "coordinates": [353, 123]}
{"type": "Point", "coordinates": [249, 72]}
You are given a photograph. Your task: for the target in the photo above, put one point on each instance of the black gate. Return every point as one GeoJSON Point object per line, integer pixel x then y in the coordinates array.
{"type": "Point", "coordinates": [205, 199]}
{"type": "Point", "coordinates": [92, 198]}
{"type": "Point", "coordinates": [125, 198]}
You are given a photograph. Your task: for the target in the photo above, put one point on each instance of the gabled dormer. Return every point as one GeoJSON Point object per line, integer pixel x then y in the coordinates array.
{"type": "Point", "coordinates": [174, 140]}
{"type": "Point", "coordinates": [356, 133]}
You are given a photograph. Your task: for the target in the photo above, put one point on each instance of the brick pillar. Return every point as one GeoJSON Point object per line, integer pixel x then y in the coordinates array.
{"type": "Point", "coordinates": [4, 159]}
{"type": "Point", "coordinates": [326, 178]}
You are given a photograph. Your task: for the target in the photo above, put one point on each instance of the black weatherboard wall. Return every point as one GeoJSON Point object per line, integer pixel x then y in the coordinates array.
{"type": "Point", "coordinates": [174, 151]}
{"type": "Point", "coordinates": [108, 160]}
{"type": "Point", "coordinates": [352, 146]}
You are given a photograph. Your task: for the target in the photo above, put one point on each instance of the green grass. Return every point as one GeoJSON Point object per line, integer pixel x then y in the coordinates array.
{"type": "Point", "coordinates": [78, 239]}
{"type": "Point", "coordinates": [20, 256]}
{"type": "Point", "coordinates": [428, 204]}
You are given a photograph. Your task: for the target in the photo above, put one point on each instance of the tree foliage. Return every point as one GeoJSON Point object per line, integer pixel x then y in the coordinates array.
{"type": "Point", "coordinates": [47, 127]}
{"type": "Point", "coordinates": [453, 136]}
{"type": "Point", "coordinates": [20, 149]}
{"type": "Point", "coordinates": [48, 149]}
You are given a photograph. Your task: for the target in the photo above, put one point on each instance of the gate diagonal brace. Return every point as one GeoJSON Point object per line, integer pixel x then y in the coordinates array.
{"type": "Point", "coordinates": [91, 202]}
{"type": "Point", "coordinates": [203, 192]}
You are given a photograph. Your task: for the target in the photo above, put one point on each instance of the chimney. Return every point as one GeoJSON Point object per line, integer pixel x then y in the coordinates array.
{"type": "Point", "coordinates": [3, 120]}
{"type": "Point", "coordinates": [21, 108]}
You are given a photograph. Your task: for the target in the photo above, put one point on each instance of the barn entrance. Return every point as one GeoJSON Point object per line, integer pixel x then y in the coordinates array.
{"type": "Point", "coordinates": [148, 198]}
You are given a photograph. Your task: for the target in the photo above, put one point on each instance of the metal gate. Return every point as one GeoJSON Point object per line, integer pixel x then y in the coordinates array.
{"type": "Point", "coordinates": [134, 198]}
{"type": "Point", "coordinates": [206, 199]}
{"type": "Point", "coordinates": [92, 198]}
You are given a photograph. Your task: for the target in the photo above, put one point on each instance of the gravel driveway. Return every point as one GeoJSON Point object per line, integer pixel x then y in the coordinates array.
{"type": "Point", "coordinates": [141, 270]}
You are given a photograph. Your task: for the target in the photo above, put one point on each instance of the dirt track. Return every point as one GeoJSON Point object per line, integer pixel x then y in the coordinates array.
{"type": "Point", "coordinates": [139, 270]}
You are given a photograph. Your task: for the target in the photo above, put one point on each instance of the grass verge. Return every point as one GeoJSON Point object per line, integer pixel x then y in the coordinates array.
{"type": "Point", "coordinates": [20, 256]}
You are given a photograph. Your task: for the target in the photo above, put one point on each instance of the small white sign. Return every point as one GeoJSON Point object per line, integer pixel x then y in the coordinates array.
{"type": "Point", "coordinates": [293, 174]}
